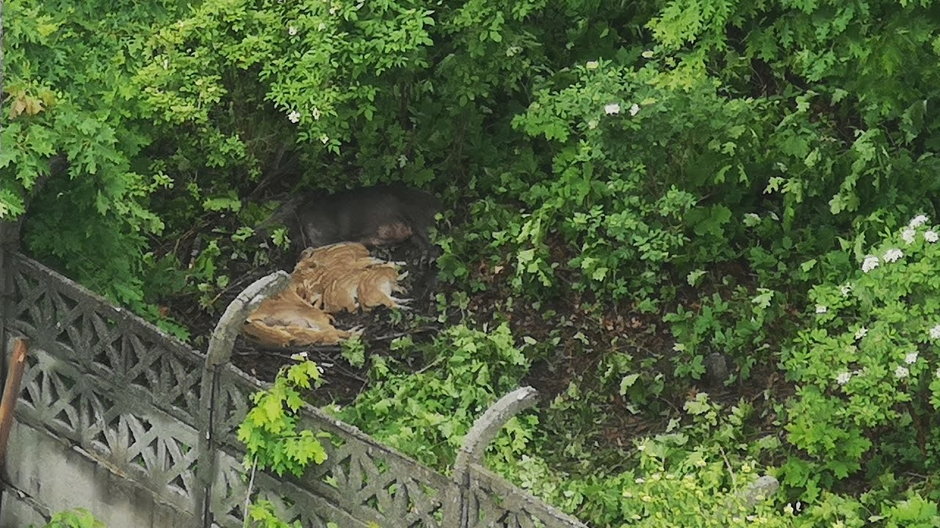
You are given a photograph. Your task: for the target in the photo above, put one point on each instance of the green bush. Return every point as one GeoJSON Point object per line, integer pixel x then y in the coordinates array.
{"type": "Point", "coordinates": [270, 430]}
{"type": "Point", "coordinates": [628, 210]}
{"type": "Point", "coordinates": [701, 160]}
{"type": "Point", "coordinates": [868, 379]}
{"type": "Point", "coordinates": [426, 414]}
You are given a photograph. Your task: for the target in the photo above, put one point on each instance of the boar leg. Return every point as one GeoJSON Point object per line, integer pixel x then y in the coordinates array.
{"type": "Point", "coordinates": [429, 252]}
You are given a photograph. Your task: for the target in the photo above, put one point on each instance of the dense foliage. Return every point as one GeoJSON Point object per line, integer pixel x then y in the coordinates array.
{"type": "Point", "coordinates": [632, 187]}
{"type": "Point", "coordinates": [270, 432]}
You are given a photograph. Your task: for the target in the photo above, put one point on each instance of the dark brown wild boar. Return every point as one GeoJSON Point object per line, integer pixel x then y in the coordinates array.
{"type": "Point", "coordinates": [374, 216]}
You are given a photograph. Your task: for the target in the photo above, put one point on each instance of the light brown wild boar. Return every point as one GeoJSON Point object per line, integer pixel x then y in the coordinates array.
{"type": "Point", "coordinates": [287, 320]}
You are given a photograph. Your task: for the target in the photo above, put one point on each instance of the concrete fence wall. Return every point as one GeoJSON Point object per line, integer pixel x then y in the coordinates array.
{"type": "Point", "coordinates": [120, 418]}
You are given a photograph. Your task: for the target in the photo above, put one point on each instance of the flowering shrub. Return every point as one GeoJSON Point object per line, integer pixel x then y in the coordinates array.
{"type": "Point", "coordinates": [624, 209]}
{"type": "Point", "coordinates": [867, 366]}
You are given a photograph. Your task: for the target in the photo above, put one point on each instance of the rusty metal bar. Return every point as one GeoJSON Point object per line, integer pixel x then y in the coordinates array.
{"type": "Point", "coordinates": [11, 392]}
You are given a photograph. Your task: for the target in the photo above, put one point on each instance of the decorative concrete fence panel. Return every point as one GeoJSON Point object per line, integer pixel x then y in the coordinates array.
{"type": "Point", "coordinates": [106, 387]}
{"type": "Point", "coordinates": [120, 418]}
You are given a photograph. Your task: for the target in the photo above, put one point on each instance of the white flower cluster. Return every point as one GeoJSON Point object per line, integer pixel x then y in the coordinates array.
{"type": "Point", "coordinates": [935, 332]}
{"type": "Point", "coordinates": [892, 255]}
{"type": "Point", "coordinates": [614, 108]}
{"type": "Point", "coordinates": [871, 262]}
{"type": "Point", "coordinates": [909, 234]}
{"type": "Point", "coordinates": [918, 221]}
{"type": "Point", "coordinates": [843, 378]}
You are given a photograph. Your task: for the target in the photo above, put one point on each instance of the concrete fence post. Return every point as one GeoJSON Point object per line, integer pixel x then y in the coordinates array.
{"type": "Point", "coordinates": [485, 428]}
{"type": "Point", "coordinates": [219, 353]}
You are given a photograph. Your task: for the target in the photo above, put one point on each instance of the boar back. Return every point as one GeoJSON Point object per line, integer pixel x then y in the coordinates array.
{"type": "Point", "coordinates": [374, 216]}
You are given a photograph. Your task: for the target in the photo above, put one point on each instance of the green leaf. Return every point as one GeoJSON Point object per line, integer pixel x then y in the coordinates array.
{"type": "Point", "coordinates": [627, 382]}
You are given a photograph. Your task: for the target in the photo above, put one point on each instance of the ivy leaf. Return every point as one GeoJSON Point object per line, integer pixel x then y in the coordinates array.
{"type": "Point", "coordinates": [627, 382]}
